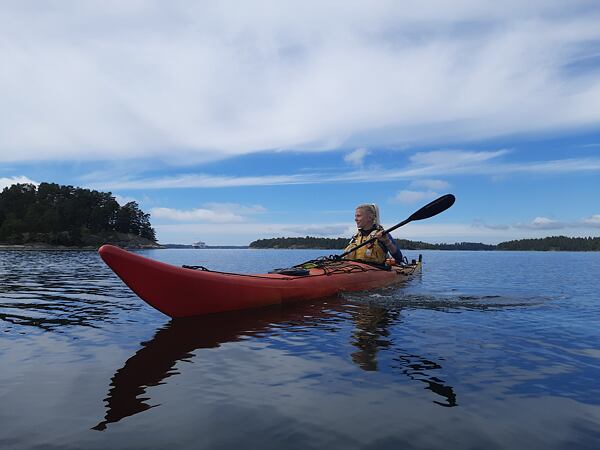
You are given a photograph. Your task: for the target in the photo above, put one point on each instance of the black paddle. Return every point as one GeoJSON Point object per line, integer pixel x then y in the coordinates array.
{"type": "Point", "coordinates": [427, 211]}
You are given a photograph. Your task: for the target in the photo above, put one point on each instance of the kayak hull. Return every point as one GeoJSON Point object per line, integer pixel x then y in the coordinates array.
{"type": "Point", "coordinates": [181, 292]}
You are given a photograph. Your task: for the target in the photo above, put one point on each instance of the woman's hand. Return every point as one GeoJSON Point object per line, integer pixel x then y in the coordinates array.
{"type": "Point", "coordinates": [383, 238]}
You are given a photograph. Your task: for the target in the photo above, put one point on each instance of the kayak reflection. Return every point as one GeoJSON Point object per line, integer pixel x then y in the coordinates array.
{"type": "Point", "coordinates": [156, 360]}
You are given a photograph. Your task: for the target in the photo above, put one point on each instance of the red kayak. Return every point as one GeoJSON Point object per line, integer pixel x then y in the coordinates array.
{"type": "Point", "coordinates": [183, 291]}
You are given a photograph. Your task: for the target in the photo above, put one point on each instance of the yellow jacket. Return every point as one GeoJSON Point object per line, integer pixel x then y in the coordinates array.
{"type": "Point", "coordinates": [375, 252]}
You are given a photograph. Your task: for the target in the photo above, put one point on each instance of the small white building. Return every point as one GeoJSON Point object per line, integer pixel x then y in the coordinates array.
{"type": "Point", "coordinates": [199, 244]}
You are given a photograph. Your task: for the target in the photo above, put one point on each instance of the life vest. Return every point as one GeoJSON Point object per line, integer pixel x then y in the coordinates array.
{"type": "Point", "coordinates": [374, 252]}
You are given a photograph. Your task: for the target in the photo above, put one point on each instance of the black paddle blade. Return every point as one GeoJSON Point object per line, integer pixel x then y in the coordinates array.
{"type": "Point", "coordinates": [435, 207]}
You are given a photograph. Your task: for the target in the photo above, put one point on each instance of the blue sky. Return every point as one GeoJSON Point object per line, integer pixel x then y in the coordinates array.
{"type": "Point", "coordinates": [231, 122]}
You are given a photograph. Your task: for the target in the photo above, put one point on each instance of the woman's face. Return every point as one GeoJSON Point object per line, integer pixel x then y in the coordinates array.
{"type": "Point", "coordinates": [363, 219]}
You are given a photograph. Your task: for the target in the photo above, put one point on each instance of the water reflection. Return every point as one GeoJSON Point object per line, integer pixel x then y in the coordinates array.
{"type": "Point", "coordinates": [417, 368]}
{"type": "Point", "coordinates": [156, 361]}
{"type": "Point", "coordinates": [372, 334]}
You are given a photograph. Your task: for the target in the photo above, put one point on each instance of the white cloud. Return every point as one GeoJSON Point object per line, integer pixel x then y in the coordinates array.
{"type": "Point", "coordinates": [9, 181]}
{"type": "Point", "coordinates": [542, 223]}
{"type": "Point", "coordinates": [430, 184]}
{"type": "Point", "coordinates": [356, 157]}
{"type": "Point", "coordinates": [122, 199]}
{"type": "Point", "coordinates": [197, 81]}
{"type": "Point", "coordinates": [204, 181]}
{"type": "Point", "coordinates": [454, 158]}
{"type": "Point", "coordinates": [481, 224]}
{"type": "Point", "coordinates": [211, 213]}
{"type": "Point", "coordinates": [318, 230]}
{"type": "Point", "coordinates": [457, 232]}
{"type": "Point", "coordinates": [593, 221]}
{"type": "Point", "coordinates": [234, 234]}
{"type": "Point", "coordinates": [195, 215]}
{"type": "Point", "coordinates": [570, 165]}
{"type": "Point", "coordinates": [442, 164]}
{"type": "Point", "coordinates": [241, 209]}
{"type": "Point", "coordinates": [408, 197]}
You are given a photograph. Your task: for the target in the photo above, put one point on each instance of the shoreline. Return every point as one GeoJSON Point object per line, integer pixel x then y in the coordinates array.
{"type": "Point", "coordinates": [40, 246]}
{"type": "Point", "coordinates": [49, 247]}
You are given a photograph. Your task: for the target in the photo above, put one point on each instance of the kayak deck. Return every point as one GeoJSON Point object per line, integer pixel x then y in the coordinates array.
{"type": "Point", "coordinates": [180, 292]}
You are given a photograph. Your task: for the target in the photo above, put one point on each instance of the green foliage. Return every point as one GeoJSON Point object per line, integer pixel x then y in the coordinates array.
{"type": "Point", "coordinates": [66, 215]}
{"type": "Point", "coordinates": [554, 243]}
{"type": "Point", "coordinates": [341, 243]}
{"type": "Point", "coordinates": [419, 245]}
{"type": "Point", "coordinates": [131, 219]}
{"type": "Point", "coordinates": [301, 242]}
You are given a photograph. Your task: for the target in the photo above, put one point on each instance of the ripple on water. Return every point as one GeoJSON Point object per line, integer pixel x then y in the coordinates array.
{"type": "Point", "coordinates": [398, 298]}
{"type": "Point", "coordinates": [52, 290]}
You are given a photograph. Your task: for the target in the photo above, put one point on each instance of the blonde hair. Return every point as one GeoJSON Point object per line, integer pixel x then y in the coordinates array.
{"type": "Point", "coordinates": [372, 209]}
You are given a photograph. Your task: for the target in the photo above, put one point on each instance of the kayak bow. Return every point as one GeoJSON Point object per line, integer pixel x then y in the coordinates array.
{"type": "Point", "coordinates": [180, 292]}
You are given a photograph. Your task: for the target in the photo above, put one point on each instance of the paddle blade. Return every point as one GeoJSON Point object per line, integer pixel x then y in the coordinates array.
{"type": "Point", "coordinates": [435, 207]}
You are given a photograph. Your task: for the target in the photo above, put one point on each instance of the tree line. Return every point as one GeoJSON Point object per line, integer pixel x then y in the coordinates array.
{"type": "Point", "coordinates": [301, 242]}
{"type": "Point", "coordinates": [553, 243]}
{"type": "Point", "coordinates": [341, 243]}
{"type": "Point", "coordinates": [66, 215]}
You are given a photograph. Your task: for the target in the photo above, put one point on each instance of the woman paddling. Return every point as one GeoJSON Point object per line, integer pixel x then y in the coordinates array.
{"type": "Point", "coordinates": [367, 221]}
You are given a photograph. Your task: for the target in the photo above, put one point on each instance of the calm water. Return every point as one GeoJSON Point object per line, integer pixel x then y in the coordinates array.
{"type": "Point", "coordinates": [483, 350]}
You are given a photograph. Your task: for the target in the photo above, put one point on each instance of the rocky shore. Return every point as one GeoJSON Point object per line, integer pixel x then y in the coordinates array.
{"type": "Point", "coordinates": [90, 242]}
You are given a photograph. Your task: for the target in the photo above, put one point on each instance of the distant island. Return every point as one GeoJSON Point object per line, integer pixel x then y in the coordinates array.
{"type": "Point", "coordinates": [309, 242]}
{"type": "Point", "coordinates": [552, 243]}
{"type": "Point", "coordinates": [51, 215]}
{"type": "Point", "coordinates": [208, 247]}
